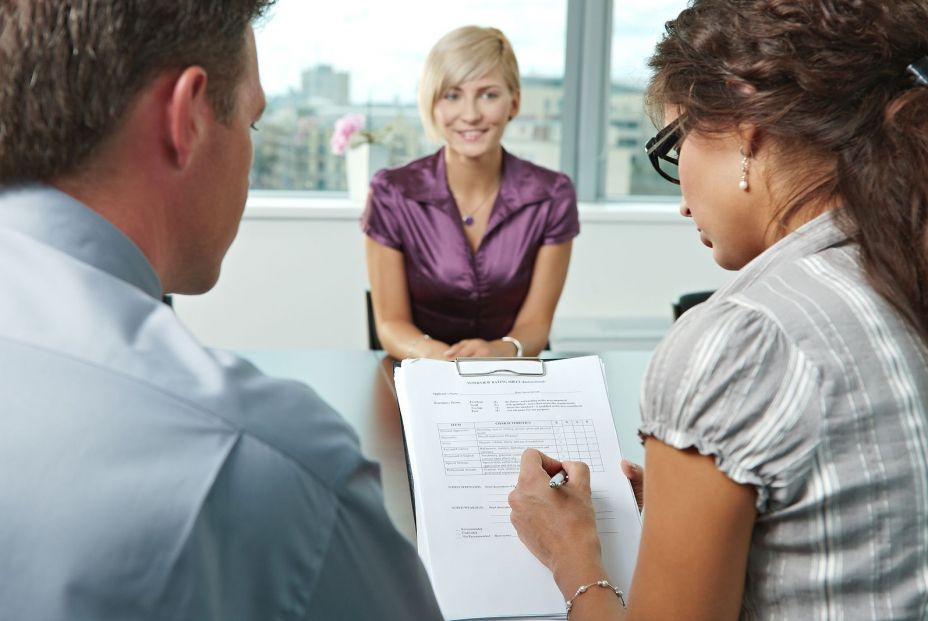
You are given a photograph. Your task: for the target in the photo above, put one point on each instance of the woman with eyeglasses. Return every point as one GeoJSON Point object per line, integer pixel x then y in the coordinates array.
{"type": "Point", "coordinates": [467, 248]}
{"type": "Point", "coordinates": [785, 421]}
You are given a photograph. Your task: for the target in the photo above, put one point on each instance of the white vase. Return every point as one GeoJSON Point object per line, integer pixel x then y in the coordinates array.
{"type": "Point", "coordinates": [361, 162]}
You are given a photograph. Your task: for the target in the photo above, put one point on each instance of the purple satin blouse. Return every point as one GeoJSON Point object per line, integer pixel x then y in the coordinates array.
{"type": "Point", "coordinates": [456, 293]}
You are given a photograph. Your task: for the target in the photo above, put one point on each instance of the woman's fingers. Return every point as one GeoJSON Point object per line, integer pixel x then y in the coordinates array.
{"type": "Point", "coordinates": [635, 475]}
{"type": "Point", "coordinates": [578, 475]}
{"type": "Point", "coordinates": [469, 348]}
{"type": "Point", "coordinates": [535, 464]}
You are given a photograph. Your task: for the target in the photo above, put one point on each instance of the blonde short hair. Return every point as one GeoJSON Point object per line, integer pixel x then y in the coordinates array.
{"type": "Point", "coordinates": [464, 54]}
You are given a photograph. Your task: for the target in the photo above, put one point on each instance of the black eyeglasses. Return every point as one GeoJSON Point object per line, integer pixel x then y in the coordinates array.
{"type": "Point", "coordinates": [662, 150]}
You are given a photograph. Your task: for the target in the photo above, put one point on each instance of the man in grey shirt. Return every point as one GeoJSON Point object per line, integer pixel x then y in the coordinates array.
{"type": "Point", "coordinates": [143, 476]}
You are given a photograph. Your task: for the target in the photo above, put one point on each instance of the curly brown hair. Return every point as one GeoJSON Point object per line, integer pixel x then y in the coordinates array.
{"type": "Point", "coordinates": [825, 81]}
{"type": "Point", "coordinates": [70, 69]}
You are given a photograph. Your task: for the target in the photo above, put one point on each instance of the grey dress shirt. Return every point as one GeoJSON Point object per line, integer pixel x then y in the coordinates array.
{"type": "Point", "coordinates": [143, 476]}
{"type": "Point", "coordinates": [806, 384]}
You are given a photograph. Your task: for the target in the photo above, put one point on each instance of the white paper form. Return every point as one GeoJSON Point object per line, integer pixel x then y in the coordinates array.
{"type": "Point", "coordinates": [465, 437]}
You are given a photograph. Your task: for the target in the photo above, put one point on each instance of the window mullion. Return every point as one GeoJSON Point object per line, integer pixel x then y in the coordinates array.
{"type": "Point", "coordinates": [570, 98]}
{"type": "Point", "coordinates": [586, 95]}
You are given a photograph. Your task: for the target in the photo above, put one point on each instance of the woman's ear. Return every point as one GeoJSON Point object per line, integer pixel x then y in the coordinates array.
{"type": "Point", "coordinates": [750, 138]}
{"type": "Point", "coordinates": [514, 105]}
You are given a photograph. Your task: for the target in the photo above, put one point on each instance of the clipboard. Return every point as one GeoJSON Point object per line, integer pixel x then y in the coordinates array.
{"type": "Point", "coordinates": [464, 428]}
{"type": "Point", "coordinates": [477, 367]}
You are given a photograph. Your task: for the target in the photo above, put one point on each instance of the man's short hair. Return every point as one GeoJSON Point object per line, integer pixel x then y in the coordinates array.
{"type": "Point", "coordinates": [70, 70]}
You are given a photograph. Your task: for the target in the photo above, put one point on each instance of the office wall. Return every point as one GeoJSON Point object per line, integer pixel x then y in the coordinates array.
{"type": "Point", "coordinates": [295, 277]}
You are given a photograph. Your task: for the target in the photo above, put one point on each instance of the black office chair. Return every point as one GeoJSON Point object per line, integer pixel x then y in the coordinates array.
{"type": "Point", "coordinates": [372, 341]}
{"type": "Point", "coordinates": [688, 301]}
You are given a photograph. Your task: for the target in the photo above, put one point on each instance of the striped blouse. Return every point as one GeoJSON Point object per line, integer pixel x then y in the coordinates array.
{"type": "Point", "coordinates": [803, 382]}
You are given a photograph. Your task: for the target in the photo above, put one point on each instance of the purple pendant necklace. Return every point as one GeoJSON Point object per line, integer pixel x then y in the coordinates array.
{"type": "Point", "coordinates": [468, 218]}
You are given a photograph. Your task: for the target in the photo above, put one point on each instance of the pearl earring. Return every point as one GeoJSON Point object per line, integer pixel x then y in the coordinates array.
{"type": "Point", "coordinates": [743, 183]}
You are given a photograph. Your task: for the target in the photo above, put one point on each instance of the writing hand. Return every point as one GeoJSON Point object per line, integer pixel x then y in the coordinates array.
{"type": "Point", "coordinates": [557, 525]}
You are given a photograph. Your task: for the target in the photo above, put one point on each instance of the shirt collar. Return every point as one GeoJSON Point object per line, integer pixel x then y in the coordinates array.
{"type": "Point", "coordinates": [55, 219]}
{"type": "Point", "coordinates": [516, 188]}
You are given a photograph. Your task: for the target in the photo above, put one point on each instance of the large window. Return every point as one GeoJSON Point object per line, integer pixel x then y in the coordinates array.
{"type": "Point", "coordinates": [320, 61]}
{"type": "Point", "coordinates": [636, 30]}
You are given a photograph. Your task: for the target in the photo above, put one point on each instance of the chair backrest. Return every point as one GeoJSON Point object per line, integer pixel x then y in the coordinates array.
{"type": "Point", "coordinates": [372, 341]}
{"type": "Point", "coordinates": [688, 301]}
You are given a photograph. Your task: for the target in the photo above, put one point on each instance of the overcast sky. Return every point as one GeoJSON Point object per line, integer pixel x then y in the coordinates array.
{"type": "Point", "coordinates": [383, 44]}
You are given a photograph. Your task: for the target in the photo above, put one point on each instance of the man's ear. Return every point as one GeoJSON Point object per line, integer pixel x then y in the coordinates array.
{"type": "Point", "coordinates": [188, 112]}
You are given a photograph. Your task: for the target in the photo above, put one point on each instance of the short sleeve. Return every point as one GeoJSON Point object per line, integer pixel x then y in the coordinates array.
{"type": "Point", "coordinates": [563, 219]}
{"type": "Point", "coordinates": [380, 220]}
{"type": "Point", "coordinates": [727, 382]}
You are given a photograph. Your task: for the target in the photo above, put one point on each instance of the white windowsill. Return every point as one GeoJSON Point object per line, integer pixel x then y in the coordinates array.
{"type": "Point", "coordinates": [302, 206]}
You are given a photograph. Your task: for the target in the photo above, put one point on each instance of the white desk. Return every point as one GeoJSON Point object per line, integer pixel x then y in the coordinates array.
{"type": "Point", "coordinates": [359, 385]}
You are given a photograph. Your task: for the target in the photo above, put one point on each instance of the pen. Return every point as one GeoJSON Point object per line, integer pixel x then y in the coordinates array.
{"type": "Point", "coordinates": [558, 479]}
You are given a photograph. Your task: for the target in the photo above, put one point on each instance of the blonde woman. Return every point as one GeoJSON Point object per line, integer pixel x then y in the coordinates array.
{"type": "Point", "coordinates": [467, 248]}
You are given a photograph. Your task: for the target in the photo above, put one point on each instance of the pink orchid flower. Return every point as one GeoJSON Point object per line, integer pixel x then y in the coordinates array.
{"type": "Point", "coordinates": [345, 127]}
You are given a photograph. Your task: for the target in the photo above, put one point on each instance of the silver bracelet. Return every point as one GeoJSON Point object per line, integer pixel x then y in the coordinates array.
{"type": "Point", "coordinates": [516, 342]}
{"type": "Point", "coordinates": [600, 583]}
{"type": "Point", "coordinates": [418, 344]}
